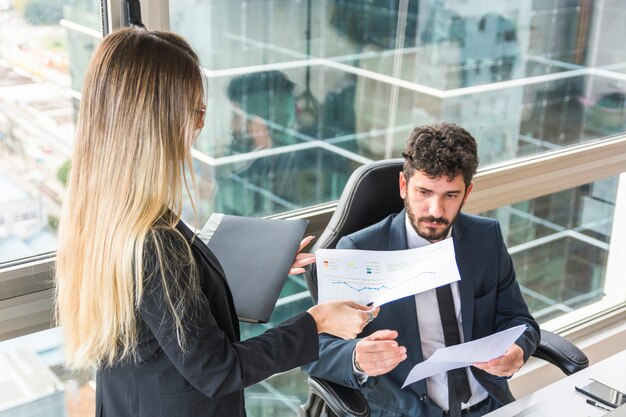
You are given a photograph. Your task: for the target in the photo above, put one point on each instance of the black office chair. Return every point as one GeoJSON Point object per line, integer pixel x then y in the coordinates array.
{"type": "Point", "coordinates": [370, 195]}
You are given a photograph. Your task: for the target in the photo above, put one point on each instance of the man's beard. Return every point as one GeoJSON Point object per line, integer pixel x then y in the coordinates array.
{"type": "Point", "coordinates": [426, 233]}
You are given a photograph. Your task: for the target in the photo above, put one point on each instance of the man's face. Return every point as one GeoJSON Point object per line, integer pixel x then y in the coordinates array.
{"type": "Point", "coordinates": [433, 204]}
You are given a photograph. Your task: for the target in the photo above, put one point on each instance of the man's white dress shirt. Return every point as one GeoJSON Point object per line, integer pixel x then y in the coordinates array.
{"type": "Point", "coordinates": [431, 331]}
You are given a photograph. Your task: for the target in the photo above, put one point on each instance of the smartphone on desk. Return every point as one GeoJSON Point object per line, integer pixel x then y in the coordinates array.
{"type": "Point", "coordinates": [602, 393]}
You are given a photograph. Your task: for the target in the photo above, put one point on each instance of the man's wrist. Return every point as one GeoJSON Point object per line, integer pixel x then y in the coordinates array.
{"type": "Point", "coordinates": [360, 375]}
{"type": "Point", "coordinates": [355, 363]}
{"type": "Point", "coordinates": [357, 366]}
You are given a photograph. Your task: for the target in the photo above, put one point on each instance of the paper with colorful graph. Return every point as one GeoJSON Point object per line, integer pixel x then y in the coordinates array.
{"type": "Point", "coordinates": [382, 276]}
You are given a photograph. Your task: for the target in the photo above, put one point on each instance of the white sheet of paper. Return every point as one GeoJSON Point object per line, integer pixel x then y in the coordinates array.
{"type": "Point", "coordinates": [366, 276]}
{"type": "Point", "coordinates": [465, 354]}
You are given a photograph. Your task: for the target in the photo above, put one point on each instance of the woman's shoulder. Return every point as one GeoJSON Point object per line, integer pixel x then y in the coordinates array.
{"type": "Point", "coordinates": [162, 238]}
{"type": "Point", "coordinates": [166, 247]}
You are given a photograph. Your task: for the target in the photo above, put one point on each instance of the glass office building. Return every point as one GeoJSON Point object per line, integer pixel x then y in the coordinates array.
{"type": "Point", "coordinates": [302, 92]}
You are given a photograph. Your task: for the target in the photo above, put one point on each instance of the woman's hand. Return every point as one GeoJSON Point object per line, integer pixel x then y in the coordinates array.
{"type": "Point", "coordinates": [344, 319]}
{"type": "Point", "coordinates": [302, 259]}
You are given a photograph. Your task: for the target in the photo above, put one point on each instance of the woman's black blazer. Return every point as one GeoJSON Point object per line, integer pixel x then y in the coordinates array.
{"type": "Point", "coordinates": [208, 377]}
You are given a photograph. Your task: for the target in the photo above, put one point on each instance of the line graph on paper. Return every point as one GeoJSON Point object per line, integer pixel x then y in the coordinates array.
{"type": "Point", "coordinates": [360, 288]}
{"type": "Point", "coordinates": [383, 276]}
{"type": "Point", "coordinates": [423, 277]}
{"type": "Point", "coordinates": [364, 293]}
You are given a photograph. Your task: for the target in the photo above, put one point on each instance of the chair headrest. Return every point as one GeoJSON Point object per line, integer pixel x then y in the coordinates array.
{"type": "Point", "coordinates": [371, 194]}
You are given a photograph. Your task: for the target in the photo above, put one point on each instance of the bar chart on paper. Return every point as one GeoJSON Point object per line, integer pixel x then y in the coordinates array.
{"type": "Point", "coordinates": [382, 276]}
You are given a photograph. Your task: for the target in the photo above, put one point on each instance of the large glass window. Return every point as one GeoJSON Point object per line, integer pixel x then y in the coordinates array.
{"type": "Point", "coordinates": [35, 382]}
{"type": "Point", "coordinates": [45, 47]}
{"type": "Point", "coordinates": [302, 92]}
{"type": "Point", "coordinates": [560, 244]}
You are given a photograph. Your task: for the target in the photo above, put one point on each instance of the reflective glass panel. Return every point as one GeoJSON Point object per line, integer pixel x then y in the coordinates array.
{"type": "Point", "coordinates": [352, 77]}
{"type": "Point", "coordinates": [45, 46]}
{"type": "Point", "coordinates": [35, 381]}
{"type": "Point", "coordinates": [560, 244]}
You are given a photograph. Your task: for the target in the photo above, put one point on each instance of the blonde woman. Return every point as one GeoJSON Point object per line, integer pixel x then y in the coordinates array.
{"type": "Point", "coordinates": [137, 295]}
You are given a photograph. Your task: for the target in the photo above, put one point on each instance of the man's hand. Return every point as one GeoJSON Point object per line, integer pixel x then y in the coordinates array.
{"type": "Point", "coordinates": [505, 365]}
{"type": "Point", "coordinates": [379, 353]}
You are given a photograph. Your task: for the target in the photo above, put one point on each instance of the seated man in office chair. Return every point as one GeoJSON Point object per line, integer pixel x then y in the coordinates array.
{"type": "Point", "coordinates": [439, 165]}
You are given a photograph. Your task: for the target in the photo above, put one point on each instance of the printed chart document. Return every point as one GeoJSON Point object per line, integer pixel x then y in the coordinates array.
{"type": "Point", "coordinates": [256, 255]}
{"type": "Point", "coordinates": [366, 276]}
{"type": "Point", "coordinates": [465, 354]}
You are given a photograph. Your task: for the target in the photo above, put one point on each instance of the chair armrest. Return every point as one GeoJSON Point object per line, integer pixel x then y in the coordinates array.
{"type": "Point", "coordinates": [343, 401]}
{"type": "Point", "coordinates": [561, 352]}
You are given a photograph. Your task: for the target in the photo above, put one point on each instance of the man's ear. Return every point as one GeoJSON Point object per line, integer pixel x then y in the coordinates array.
{"type": "Point", "coordinates": [468, 191]}
{"type": "Point", "coordinates": [403, 185]}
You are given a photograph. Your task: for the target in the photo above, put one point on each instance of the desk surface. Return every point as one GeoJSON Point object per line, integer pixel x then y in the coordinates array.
{"type": "Point", "coordinates": [561, 399]}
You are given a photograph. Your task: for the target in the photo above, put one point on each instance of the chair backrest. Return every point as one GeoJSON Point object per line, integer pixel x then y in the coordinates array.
{"type": "Point", "coordinates": [371, 194]}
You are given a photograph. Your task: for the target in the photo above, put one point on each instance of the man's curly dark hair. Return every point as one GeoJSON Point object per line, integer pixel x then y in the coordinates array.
{"type": "Point", "coordinates": [441, 149]}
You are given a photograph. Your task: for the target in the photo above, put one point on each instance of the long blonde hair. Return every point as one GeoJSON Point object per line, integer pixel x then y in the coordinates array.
{"type": "Point", "coordinates": [137, 120]}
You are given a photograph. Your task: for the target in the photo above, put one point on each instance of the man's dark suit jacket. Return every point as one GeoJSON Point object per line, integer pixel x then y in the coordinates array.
{"type": "Point", "coordinates": [490, 301]}
{"type": "Point", "coordinates": [208, 377]}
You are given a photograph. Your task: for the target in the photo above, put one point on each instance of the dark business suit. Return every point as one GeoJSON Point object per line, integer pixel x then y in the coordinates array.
{"type": "Point", "coordinates": [490, 301]}
{"type": "Point", "coordinates": [207, 379]}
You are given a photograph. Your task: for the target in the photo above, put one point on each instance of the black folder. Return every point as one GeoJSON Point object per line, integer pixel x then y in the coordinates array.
{"type": "Point", "coordinates": [256, 255]}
